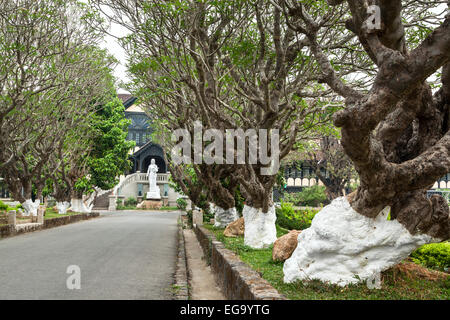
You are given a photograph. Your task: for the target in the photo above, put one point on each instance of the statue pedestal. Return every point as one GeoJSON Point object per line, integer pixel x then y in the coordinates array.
{"type": "Point", "coordinates": [153, 195]}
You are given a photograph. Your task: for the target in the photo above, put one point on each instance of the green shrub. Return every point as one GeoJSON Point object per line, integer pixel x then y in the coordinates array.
{"type": "Point", "coordinates": [434, 255]}
{"type": "Point", "coordinates": [239, 200]}
{"type": "Point", "coordinates": [130, 202]}
{"type": "Point", "coordinates": [291, 219]}
{"type": "Point", "coordinates": [168, 208]}
{"type": "Point", "coordinates": [181, 204]}
{"type": "Point", "coordinates": [292, 198]}
{"type": "Point", "coordinates": [3, 206]}
{"type": "Point", "coordinates": [207, 215]}
{"type": "Point", "coordinates": [309, 197]}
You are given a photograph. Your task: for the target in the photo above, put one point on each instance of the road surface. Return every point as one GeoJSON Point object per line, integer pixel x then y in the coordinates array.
{"type": "Point", "coordinates": [122, 255]}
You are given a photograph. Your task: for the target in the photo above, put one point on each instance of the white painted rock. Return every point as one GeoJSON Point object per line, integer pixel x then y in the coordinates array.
{"type": "Point", "coordinates": [62, 207]}
{"type": "Point", "coordinates": [223, 218]}
{"type": "Point", "coordinates": [342, 245]}
{"type": "Point", "coordinates": [30, 207]}
{"type": "Point", "coordinates": [260, 231]}
{"type": "Point", "coordinates": [78, 205]}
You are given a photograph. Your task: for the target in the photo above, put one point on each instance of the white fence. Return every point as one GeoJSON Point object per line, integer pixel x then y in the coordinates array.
{"type": "Point", "coordinates": [139, 177]}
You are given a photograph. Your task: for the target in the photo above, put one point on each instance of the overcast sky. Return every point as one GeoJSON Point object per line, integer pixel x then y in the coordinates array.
{"type": "Point", "coordinates": [112, 45]}
{"type": "Point", "coordinates": [115, 49]}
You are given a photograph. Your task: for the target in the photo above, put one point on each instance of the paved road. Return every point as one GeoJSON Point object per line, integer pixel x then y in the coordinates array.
{"type": "Point", "coordinates": [126, 255]}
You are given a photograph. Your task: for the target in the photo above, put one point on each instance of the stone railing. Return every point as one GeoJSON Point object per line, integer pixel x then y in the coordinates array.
{"type": "Point", "coordinates": [89, 201]}
{"type": "Point", "coordinates": [237, 280]}
{"type": "Point", "coordinates": [3, 219]}
{"type": "Point", "coordinates": [139, 177]}
{"type": "Point", "coordinates": [13, 228]}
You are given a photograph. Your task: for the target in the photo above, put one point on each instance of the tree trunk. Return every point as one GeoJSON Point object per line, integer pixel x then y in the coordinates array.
{"type": "Point", "coordinates": [334, 187]}
{"type": "Point", "coordinates": [260, 230]}
{"type": "Point", "coordinates": [259, 210]}
{"type": "Point", "coordinates": [223, 217]}
{"type": "Point", "coordinates": [78, 205]}
{"type": "Point", "coordinates": [62, 206]}
{"type": "Point", "coordinates": [400, 170]}
{"type": "Point", "coordinates": [30, 207]}
{"type": "Point", "coordinates": [397, 135]}
{"type": "Point", "coordinates": [344, 247]}
{"type": "Point", "coordinates": [61, 192]}
{"type": "Point", "coordinates": [221, 188]}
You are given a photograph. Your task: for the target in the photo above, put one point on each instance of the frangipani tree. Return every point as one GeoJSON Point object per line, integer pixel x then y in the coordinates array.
{"type": "Point", "coordinates": [165, 80]}
{"type": "Point", "coordinates": [70, 161]}
{"type": "Point", "coordinates": [396, 133]}
{"type": "Point", "coordinates": [52, 75]}
{"type": "Point", "coordinates": [230, 65]}
{"type": "Point", "coordinates": [92, 156]}
{"type": "Point", "coordinates": [332, 166]}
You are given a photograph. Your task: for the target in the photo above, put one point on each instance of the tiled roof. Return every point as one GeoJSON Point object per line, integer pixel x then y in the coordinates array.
{"type": "Point", "coordinates": [124, 97]}
{"type": "Point", "coordinates": [129, 102]}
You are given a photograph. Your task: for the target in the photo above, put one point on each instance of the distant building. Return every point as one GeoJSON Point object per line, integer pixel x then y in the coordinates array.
{"type": "Point", "coordinates": [134, 183]}
{"type": "Point", "coordinates": [140, 131]}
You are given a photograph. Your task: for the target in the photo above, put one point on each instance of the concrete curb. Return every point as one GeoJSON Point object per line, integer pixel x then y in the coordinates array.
{"type": "Point", "coordinates": [10, 231]}
{"type": "Point", "coordinates": [237, 280]}
{"type": "Point", "coordinates": [181, 284]}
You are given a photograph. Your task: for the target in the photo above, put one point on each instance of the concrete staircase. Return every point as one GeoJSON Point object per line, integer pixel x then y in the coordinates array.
{"type": "Point", "coordinates": [102, 202]}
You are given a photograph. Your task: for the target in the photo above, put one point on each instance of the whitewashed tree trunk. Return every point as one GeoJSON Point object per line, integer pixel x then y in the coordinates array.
{"type": "Point", "coordinates": [78, 205]}
{"type": "Point", "coordinates": [30, 208]}
{"type": "Point", "coordinates": [62, 207]}
{"type": "Point", "coordinates": [90, 199]}
{"type": "Point", "coordinates": [260, 231]}
{"type": "Point", "coordinates": [223, 218]}
{"type": "Point", "coordinates": [344, 247]}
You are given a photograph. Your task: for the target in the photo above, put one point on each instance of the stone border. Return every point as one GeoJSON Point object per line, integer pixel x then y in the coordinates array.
{"type": "Point", "coordinates": [237, 280]}
{"type": "Point", "coordinates": [181, 284]}
{"type": "Point", "coordinates": [10, 230]}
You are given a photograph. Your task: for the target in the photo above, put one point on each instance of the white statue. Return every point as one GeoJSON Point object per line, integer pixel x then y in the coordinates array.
{"type": "Point", "coordinates": [152, 173]}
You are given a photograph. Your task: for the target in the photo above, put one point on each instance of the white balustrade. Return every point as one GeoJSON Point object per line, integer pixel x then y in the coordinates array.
{"type": "Point", "coordinates": [139, 177]}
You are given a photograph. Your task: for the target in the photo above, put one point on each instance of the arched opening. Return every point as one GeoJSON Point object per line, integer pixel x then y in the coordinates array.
{"type": "Point", "coordinates": [158, 161]}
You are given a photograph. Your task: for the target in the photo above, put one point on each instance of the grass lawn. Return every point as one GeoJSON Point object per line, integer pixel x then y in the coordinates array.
{"type": "Point", "coordinates": [169, 209]}
{"type": "Point", "coordinates": [405, 281]}
{"type": "Point", "coordinates": [134, 208]}
{"type": "Point", "coordinates": [120, 207]}
{"type": "Point", "coordinates": [51, 213]}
